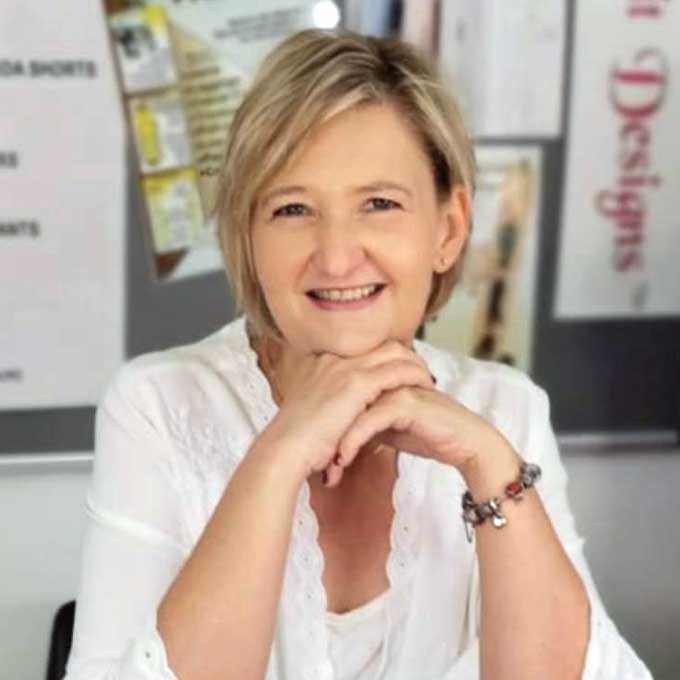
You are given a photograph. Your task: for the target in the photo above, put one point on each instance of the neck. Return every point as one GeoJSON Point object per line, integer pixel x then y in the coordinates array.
{"type": "Point", "coordinates": [275, 359]}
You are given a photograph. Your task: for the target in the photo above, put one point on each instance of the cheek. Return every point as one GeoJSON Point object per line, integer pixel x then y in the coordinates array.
{"type": "Point", "coordinates": [413, 268]}
{"type": "Point", "coordinates": [276, 263]}
{"type": "Point", "coordinates": [264, 253]}
{"type": "Point", "coordinates": [413, 258]}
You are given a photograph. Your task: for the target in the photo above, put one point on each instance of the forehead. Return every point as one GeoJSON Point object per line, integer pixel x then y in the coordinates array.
{"type": "Point", "coordinates": [357, 146]}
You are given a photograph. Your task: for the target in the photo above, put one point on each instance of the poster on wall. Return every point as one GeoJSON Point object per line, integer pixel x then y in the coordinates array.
{"type": "Point", "coordinates": [183, 69]}
{"type": "Point", "coordinates": [62, 206]}
{"type": "Point", "coordinates": [620, 232]}
{"type": "Point", "coordinates": [490, 313]}
{"type": "Point", "coordinates": [506, 60]}
{"type": "Point", "coordinates": [375, 17]}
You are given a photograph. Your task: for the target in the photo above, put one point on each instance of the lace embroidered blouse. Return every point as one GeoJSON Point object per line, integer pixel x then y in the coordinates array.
{"type": "Point", "coordinates": [171, 430]}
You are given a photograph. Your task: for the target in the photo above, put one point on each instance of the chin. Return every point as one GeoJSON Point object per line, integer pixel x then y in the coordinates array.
{"type": "Point", "coordinates": [351, 343]}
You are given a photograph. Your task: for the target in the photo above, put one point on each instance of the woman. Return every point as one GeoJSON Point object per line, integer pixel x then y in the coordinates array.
{"type": "Point", "coordinates": [282, 500]}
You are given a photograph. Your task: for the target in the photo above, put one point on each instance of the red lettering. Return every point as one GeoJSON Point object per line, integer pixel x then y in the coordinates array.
{"type": "Point", "coordinates": [638, 92]}
{"type": "Point", "coordinates": [640, 180]}
{"type": "Point", "coordinates": [635, 160]}
{"type": "Point", "coordinates": [635, 138]}
{"type": "Point", "coordinates": [628, 260]}
{"type": "Point", "coordinates": [636, 128]}
{"type": "Point", "coordinates": [644, 12]}
{"type": "Point", "coordinates": [645, 8]}
{"type": "Point", "coordinates": [624, 207]}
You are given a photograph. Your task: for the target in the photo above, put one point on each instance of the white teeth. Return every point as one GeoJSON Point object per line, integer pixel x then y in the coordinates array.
{"type": "Point", "coordinates": [346, 295]}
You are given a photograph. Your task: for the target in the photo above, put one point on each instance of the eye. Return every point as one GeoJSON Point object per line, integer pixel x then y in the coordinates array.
{"type": "Point", "coordinates": [380, 204]}
{"type": "Point", "coordinates": [290, 210]}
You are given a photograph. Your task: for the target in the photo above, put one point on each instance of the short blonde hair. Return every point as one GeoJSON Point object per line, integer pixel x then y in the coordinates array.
{"type": "Point", "coordinates": [308, 78]}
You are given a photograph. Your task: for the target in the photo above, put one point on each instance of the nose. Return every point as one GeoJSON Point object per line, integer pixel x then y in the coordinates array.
{"type": "Point", "coordinates": [338, 249]}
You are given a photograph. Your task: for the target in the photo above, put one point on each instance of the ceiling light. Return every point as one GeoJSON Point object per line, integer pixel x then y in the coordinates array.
{"type": "Point", "coordinates": [326, 14]}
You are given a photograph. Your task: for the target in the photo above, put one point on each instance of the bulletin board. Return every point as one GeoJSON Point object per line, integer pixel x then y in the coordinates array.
{"type": "Point", "coordinates": [613, 376]}
{"type": "Point", "coordinates": [605, 325]}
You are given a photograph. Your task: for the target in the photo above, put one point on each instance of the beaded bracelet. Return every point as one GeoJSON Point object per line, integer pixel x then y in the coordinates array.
{"type": "Point", "coordinates": [475, 514]}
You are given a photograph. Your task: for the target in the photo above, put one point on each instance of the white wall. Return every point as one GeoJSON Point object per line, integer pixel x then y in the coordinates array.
{"type": "Point", "coordinates": [41, 523]}
{"type": "Point", "coordinates": [626, 505]}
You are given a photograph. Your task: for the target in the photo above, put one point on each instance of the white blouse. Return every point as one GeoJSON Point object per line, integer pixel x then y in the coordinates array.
{"type": "Point", "coordinates": [170, 431]}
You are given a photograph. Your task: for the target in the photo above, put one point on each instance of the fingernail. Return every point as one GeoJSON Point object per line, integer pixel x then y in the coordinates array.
{"type": "Point", "coordinates": [337, 459]}
{"type": "Point", "coordinates": [324, 478]}
{"type": "Point", "coordinates": [434, 380]}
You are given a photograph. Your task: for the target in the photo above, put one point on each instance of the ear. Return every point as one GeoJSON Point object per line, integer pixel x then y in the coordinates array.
{"type": "Point", "coordinates": [453, 227]}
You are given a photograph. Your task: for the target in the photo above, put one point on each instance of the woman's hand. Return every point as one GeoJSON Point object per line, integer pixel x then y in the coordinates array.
{"type": "Point", "coordinates": [421, 421]}
{"type": "Point", "coordinates": [329, 393]}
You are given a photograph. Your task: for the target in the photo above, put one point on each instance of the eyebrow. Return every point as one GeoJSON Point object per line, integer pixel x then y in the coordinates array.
{"type": "Point", "coordinates": [281, 191]}
{"type": "Point", "coordinates": [384, 184]}
{"type": "Point", "coordinates": [379, 185]}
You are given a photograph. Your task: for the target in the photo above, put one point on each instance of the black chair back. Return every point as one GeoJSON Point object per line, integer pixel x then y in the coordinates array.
{"type": "Point", "coordinates": [60, 642]}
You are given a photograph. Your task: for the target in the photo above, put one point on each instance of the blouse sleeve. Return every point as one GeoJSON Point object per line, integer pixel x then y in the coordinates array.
{"type": "Point", "coordinates": [132, 547]}
{"type": "Point", "coordinates": [608, 656]}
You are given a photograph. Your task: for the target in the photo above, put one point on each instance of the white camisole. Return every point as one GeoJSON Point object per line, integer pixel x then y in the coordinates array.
{"type": "Point", "coordinates": [356, 638]}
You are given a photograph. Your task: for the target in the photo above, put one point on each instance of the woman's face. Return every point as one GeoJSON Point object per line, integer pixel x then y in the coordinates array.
{"type": "Point", "coordinates": [356, 207]}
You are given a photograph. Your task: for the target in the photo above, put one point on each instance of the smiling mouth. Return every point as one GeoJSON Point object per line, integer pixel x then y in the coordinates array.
{"type": "Point", "coordinates": [347, 294]}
